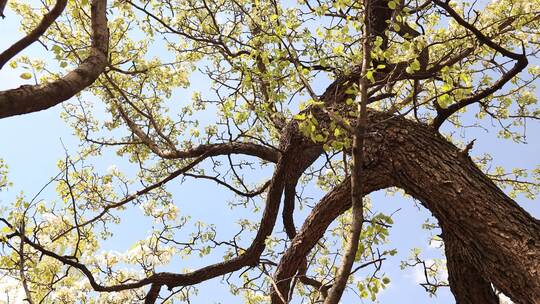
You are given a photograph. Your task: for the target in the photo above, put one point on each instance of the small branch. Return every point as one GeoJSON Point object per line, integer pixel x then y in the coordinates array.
{"type": "Point", "coordinates": [288, 209]}
{"type": "Point", "coordinates": [521, 63]}
{"type": "Point", "coordinates": [152, 294]}
{"type": "Point", "coordinates": [357, 173]}
{"type": "Point", "coordinates": [137, 194]}
{"type": "Point", "coordinates": [3, 4]}
{"type": "Point", "coordinates": [483, 38]}
{"type": "Point", "coordinates": [232, 188]}
{"type": "Point", "coordinates": [21, 265]}
{"type": "Point", "coordinates": [468, 148]}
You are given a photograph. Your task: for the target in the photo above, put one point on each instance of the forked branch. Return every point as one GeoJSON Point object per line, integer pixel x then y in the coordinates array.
{"type": "Point", "coordinates": [520, 64]}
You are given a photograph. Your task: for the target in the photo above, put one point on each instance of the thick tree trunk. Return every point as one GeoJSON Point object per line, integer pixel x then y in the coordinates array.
{"type": "Point", "coordinates": [487, 229]}
{"type": "Point", "coordinates": [466, 283]}
{"type": "Point", "coordinates": [490, 238]}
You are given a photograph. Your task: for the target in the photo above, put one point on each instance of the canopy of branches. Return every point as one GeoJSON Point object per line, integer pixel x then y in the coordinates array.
{"type": "Point", "coordinates": [261, 98]}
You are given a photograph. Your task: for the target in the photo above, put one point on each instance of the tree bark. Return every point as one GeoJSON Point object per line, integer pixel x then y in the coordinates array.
{"type": "Point", "coordinates": [491, 239]}
{"type": "Point", "coordinates": [331, 206]}
{"type": "Point", "coordinates": [466, 283]}
{"type": "Point", "coordinates": [492, 232]}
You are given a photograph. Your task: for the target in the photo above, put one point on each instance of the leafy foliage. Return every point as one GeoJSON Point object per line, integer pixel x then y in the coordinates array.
{"type": "Point", "coordinates": [186, 79]}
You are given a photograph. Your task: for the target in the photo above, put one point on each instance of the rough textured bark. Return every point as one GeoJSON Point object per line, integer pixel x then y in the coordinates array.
{"type": "Point", "coordinates": [486, 228]}
{"type": "Point", "coordinates": [489, 238]}
{"type": "Point", "coordinates": [466, 283]}
{"type": "Point", "coordinates": [32, 98]}
{"type": "Point", "coordinates": [495, 234]}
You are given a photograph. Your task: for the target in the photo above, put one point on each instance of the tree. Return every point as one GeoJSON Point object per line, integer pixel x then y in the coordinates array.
{"type": "Point", "coordinates": [397, 71]}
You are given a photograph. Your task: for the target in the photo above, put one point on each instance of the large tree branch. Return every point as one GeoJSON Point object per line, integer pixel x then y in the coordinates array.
{"type": "Point", "coordinates": [299, 153]}
{"type": "Point", "coordinates": [498, 237]}
{"type": "Point", "coordinates": [32, 98]}
{"type": "Point", "coordinates": [325, 212]}
{"type": "Point", "coordinates": [34, 35]}
{"type": "Point", "coordinates": [494, 234]}
{"type": "Point", "coordinates": [466, 283]}
{"type": "Point", "coordinates": [248, 258]}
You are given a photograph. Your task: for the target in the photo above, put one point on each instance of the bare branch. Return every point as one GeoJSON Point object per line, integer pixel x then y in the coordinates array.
{"type": "Point", "coordinates": [3, 4]}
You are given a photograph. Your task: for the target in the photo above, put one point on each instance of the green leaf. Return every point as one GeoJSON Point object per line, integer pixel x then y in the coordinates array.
{"type": "Point", "coordinates": [300, 116]}
{"type": "Point", "coordinates": [338, 49]}
{"type": "Point", "coordinates": [56, 49]}
{"type": "Point", "coordinates": [392, 5]}
{"type": "Point", "coordinates": [351, 90]}
{"type": "Point", "coordinates": [415, 65]}
{"type": "Point", "coordinates": [369, 75]}
{"type": "Point", "coordinates": [319, 138]}
{"type": "Point", "coordinates": [25, 75]}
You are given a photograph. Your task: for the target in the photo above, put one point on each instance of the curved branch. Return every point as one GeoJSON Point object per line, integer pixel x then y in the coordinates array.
{"type": "Point", "coordinates": [33, 98]}
{"type": "Point", "coordinates": [481, 37]}
{"type": "Point", "coordinates": [497, 236]}
{"type": "Point", "coordinates": [135, 195]}
{"type": "Point", "coordinates": [252, 193]}
{"type": "Point", "coordinates": [325, 212]}
{"type": "Point", "coordinates": [444, 113]}
{"type": "Point", "coordinates": [298, 155]}
{"type": "Point", "coordinates": [251, 149]}
{"type": "Point", "coordinates": [288, 209]}
{"type": "Point", "coordinates": [34, 35]}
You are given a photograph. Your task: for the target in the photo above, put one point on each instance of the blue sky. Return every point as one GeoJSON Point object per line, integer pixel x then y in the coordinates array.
{"type": "Point", "coordinates": [33, 143]}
